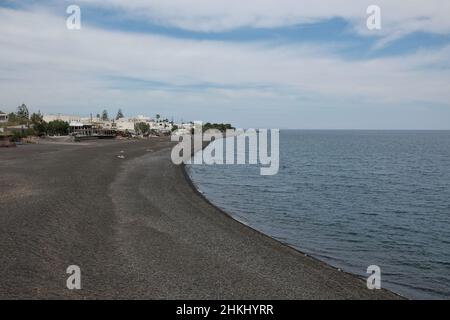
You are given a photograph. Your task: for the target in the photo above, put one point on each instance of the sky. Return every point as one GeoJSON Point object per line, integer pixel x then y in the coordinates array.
{"type": "Point", "coordinates": [298, 64]}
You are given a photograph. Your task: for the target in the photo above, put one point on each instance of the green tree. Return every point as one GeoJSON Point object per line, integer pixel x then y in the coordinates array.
{"type": "Point", "coordinates": [105, 115]}
{"type": "Point", "coordinates": [219, 126]}
{"type": "Point", "coordinates": [142, 128]}
{"type": "Point", "coordinates": [23, 114]}
{"type": "Point", "coordinates": [158, 117]}
{"type": "Point", "coordinates": [38, 123]}
{"type": "Point", "coordinates": [58, 128]}
{"type": "Point", "coordinates": [41, 128]}
{"type": "Point", "coordinates": [36, 118]}
{"type": "Point", "coordinates": [119, 114]}
{"type": "Point", "coordinates": [12, 118]}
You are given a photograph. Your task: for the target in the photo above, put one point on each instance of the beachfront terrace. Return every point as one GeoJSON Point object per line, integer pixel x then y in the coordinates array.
{"type": "Point", "coordinates": [85, 131]}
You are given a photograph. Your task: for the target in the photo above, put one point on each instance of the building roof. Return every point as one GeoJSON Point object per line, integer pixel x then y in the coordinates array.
{"type": "Point", "coordinates": [75, 124]}
{"type": "Point", "coordinates": [1, 112]}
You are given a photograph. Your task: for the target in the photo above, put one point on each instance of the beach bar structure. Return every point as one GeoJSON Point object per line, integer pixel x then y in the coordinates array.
{"type": "Point", "coordinates": [81, 131]}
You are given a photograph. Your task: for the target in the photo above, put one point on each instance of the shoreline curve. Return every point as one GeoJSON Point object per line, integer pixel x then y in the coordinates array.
{"type": "Point", "coordinates": [252, 229]}
{"type": "Point", "coordinates": [139, 229]}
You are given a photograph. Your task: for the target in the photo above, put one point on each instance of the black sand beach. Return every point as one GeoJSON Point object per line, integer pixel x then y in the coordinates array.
{"type": "Point", "coordinates": [138, 230]}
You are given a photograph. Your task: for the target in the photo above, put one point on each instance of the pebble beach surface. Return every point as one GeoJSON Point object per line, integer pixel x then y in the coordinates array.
{"type": "Point", "coordinates": [136, 227]}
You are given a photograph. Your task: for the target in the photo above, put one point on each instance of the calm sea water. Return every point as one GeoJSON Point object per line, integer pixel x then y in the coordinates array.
{"type": "Point", "coordinates": [352, 199]}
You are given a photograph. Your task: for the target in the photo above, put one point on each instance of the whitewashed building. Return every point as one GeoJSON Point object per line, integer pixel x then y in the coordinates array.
{"type": "Point", "coordinates": [183, 128]}
{"type": "Point", "coordinates": [3, 117]}
{"type": "Point", "coordinates": [125, 124]}
{"type": "Point", "coordinates": [66, 118]}
{"type": "Point", "coordinates": [122, 124]}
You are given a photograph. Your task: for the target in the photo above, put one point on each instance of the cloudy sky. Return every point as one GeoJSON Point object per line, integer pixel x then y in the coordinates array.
{"type": "Point", "coordinates": [255, 63]}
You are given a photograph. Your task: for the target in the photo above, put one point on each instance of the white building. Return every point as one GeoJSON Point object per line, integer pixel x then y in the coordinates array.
{"type": "Point", "coordinates": [3, 117]}
{"type": "Point", "coordinates": [183, 129]}
{"type": "Point", "coordinates": [122, 124]}
{"type": "Point", "coordinates": [141, 118]}
{"type": "Point", "coordinates": [125, 124]}
{"type": "Point", "coordinates": [66, 118]}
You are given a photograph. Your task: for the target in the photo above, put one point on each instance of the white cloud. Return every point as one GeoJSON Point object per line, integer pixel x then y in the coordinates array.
{"type": "Point", "coordinates": [398, 16]}
{"type": "Point", "coordinates": [44, 63]}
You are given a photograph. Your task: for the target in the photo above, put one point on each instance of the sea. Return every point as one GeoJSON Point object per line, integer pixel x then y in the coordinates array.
{"type": "Point", "coordinates": [351, 199]}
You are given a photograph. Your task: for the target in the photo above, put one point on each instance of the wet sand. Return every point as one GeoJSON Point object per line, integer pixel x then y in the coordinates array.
{"type": "Point", "coordinates": [138, 230]}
